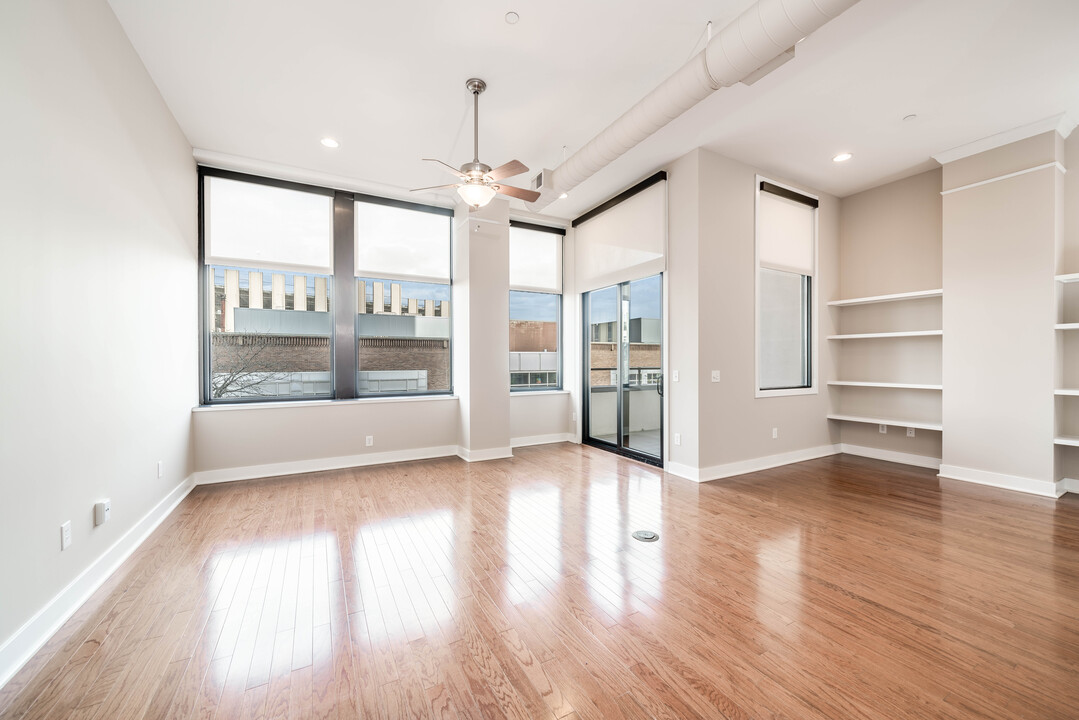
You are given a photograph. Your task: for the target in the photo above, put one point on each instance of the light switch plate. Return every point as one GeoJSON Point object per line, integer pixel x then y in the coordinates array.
{"type": "Point", "coordinates": [715, 376]}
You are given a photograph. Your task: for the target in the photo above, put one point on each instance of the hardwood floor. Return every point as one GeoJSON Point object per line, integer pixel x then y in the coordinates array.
{"type": "Point", "coordinates": [836, 588]}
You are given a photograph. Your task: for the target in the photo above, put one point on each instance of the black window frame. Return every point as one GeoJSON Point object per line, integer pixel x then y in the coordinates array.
{"type": "Point", "coordinates": [343, 338]}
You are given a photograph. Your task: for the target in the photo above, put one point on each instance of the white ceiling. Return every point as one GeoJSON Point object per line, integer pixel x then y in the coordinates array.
{"type": "Point", "coordinates": [266, 79]}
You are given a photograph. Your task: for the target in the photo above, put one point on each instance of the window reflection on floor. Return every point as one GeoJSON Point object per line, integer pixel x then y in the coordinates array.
{"type": "Point", "coordinates": [534, 540]}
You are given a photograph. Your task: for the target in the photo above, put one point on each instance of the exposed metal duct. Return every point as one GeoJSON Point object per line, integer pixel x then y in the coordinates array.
{"type": "Point", "coordinates": [756, 42]}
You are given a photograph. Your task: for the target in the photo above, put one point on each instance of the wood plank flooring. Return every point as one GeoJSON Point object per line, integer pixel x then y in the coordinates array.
{"type": "Point", "coordinates": [835, 588]}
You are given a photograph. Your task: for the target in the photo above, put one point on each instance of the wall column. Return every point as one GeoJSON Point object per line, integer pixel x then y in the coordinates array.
{"type": "Point", "coordinates": [481, 330]}
{"type": "Point", "coordinates": [1002, 230]}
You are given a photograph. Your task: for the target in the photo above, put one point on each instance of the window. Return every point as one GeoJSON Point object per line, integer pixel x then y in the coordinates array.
{"type": "Point", "coordinates": [786, 265]}
{"type": "Point", "coordinates": [267, 280]}
{"type": "Point", "coordinates": [535, 307]}
{"type": "Point", "coordinates": [271, 274]}
{"type": "Point", "coordinates": [402, 300]}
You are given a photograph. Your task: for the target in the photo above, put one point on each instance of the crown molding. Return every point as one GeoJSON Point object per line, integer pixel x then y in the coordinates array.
{"type": "Point", "coordinates": [1062, 124]}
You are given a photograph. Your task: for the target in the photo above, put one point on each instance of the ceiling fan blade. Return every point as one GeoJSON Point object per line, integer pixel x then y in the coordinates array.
{"type": "Point", "coordinates": [434, 187]}
{"type": "Point", "coordinates": [451, 168]}
{"type": "Point", "coordinates": [513, 167]}
{"type": "Point", "coordinates": [519, 193]}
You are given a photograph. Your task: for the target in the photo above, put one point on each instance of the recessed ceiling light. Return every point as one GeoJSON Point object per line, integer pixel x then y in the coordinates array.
{"type": "Point", "coordinates": [512, 18]}
{"type": "Point", "coordinates": [329, 142]}
{"type": "Point", "coordinates": [842, 157]}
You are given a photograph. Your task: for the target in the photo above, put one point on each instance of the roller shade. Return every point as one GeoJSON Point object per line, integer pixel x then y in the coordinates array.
{"type": "Point", "coordinates": [535, 260]}
{"type": "Point", "coordinates": [399, 243]}
{"type": "Point", "coordinates": [785, 231]}
{"type": "Point", "coordinates": [253, 225]}
{"type": "Point", "coordinates": [626, 242]}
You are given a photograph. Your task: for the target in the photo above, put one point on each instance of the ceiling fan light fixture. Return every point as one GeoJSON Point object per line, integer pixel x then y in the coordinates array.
{"type": "Point", "coordinates": [476, 194]}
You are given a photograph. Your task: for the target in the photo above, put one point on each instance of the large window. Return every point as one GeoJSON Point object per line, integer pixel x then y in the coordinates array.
{"type": "Point", "coordinates": [273, 275]}
{"type": "Point", "coordinates": [786, 265]}
{"type": "Point", "coordinates": [535, 307]}
{"type": "Point", "coordinates": [403, 317]}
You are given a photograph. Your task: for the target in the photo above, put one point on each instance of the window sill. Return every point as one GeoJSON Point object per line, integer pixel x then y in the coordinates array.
{"type": "Point", "coordinates": [226, 407]}
{"type": "Point", "coordinates": [788, 392]}
{"type": "Point", "coordinates": [531, 393]}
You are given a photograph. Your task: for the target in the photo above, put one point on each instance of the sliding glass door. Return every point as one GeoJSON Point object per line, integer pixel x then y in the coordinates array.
{"type": "Point", "coordinates": [623, 370]}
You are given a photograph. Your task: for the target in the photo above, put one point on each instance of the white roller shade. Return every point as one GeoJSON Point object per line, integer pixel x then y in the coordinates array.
{"type": "Point", "coordinates": [535, 260]}
{"type": "Point", "coordinates": [261, 226]}
{"type": "Point", "coordinates": [627, 242]}
{"type": "Point", "coordinates": [402, 244]}
{"type": "Point", "coordinates": [785, 232]}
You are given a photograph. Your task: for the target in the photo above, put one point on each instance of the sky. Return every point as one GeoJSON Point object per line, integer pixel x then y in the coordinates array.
{"type": "Point", "coordinates": [645, 300]}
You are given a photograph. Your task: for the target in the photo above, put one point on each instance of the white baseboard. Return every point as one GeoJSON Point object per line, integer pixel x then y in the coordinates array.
{"type": "Point", "coordinates": [481, 455]}
{"type": "Point", "coordinates": [717, 472]}
{"type": "Point", "coordinates": [28, 639]}
{"type": "Point", "coordinates": [891, 456]}
{"type": "Point", "coordinates": [252, 472]}
{"type": "Point", "coordinates": [541, 439]}
{"type": "Point", "coordinates": [1045, 488]}
{"type": "Point", "coordinates": [1070, 485]}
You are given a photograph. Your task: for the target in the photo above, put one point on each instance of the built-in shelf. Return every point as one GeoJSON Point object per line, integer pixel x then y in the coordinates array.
{"type": "Point", "coordinates": [1069, 278]}
{"type": "Point", "coordinates": [1067, 440]}
{"type": "Point", "coordinates": [910, 333]}
{"type": "Point", "coordinates": [887, 421]}
{"type": "Point", "coordinates": [1072, 392]}
{"type": "Point", "coordinates": [896, 386]}
{"type": "Point", "coordinates": [1067, 326]}
{"type": "Point", "coordinates": [917, 295]}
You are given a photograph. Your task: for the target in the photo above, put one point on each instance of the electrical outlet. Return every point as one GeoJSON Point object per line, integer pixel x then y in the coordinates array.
{"type": "Point", "coordinates": [65, 535]}
{"type": "Point", "coordinates": [775, 433]}
{"type": "Point", "coordinates": [882, 429]}
{"type": "Point", "coordinates": [910, 432]}
{"type": "Point", "coordinates": [715, 376]}
{"type": "Point", "coordinates": [674, 376]}
{"type": "Point", "coordinates": [160, 469]}
{"type": "Point", "coordinates": [369, 441]}
{"type": "Point", "coordinates": [678, 438]}
{"type": "Point", "coordinates": [102, 512]}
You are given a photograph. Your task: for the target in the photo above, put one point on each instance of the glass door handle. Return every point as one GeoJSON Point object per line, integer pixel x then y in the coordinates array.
{"type": "Point", "coordinates": [659, 385]}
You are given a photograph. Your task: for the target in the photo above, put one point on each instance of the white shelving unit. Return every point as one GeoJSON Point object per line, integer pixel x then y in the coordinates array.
{"type": "Point", "coordinates": [884, 408]}
{"type": "Point", "coordinates": [917, 295]}
{"type": "Point", "coordinates": [894, 422]}
{"type": "Point", "coordinates": [1066, 397]}
{"type": "Point", "coordinates": [875, 336]}
{"type": "Point", "coordinates": [893, 386]}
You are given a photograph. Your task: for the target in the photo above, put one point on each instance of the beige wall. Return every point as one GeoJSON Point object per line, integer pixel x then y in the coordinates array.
{"type": "Point", "coordinates": [890, 242]}
{"type": "Point", "coordinates": [99, 183]}
{"type": "Point", "coordinates": [1000, 246]}
{"type": "Point", "coordinates": [540, 414]}
{"type": "Point", "coordinates": [236, 437]}
{"type": "Point", "coordinates": [734, 424]}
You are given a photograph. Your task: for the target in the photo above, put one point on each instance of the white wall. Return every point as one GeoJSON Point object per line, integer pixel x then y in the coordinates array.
{"type": "Point", "coordinates": [98, 234]}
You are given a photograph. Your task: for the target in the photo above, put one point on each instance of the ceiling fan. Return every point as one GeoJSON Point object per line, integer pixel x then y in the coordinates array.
{"type": "Point", "coordinates": [479, 182]}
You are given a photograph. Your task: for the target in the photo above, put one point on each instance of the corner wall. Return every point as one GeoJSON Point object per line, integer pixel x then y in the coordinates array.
{"type": "Point", "coordinates": [98, 226]}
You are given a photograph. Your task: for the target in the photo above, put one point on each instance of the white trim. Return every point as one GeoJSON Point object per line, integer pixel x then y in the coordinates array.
{"type": "Point", "coordinates": [281, 404]}
{"type": "Point", "coordinates": [1062, 123]}
{"type": "Point", "coordinates": [1067, 326]}
{"type": "Point", "coordinates": [741, 467]}
{"type": "Point", "coordinates": [1017, 173]}
{"type": "Point", "coordinates": [482, 455]}
{"type": "Point", "coordinates": [35, 632]}
{"type": "Point", "coordinates": [1070, 485]}
{"type": "Point", "coordinates": [895, 297]}
{"type": "Point", "coordinates": [1066, 440]}
{"type": "Point", "coordinates": [253, 472]}
{"type": "Point", "coordinates": [1069, 278]}
{"type": "Point", "coordinates": [785, 392]}
{"type": "Point", "coordinates": [891, 456]}
{"type": "Point", "coordinates": [537, 392]}
{"type": "Point", "coordinates": [1045, 488]}
{"type": "Point", "coordinates": [540, 439]}
{"type": "Point", "coordinates": [888, 386]}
